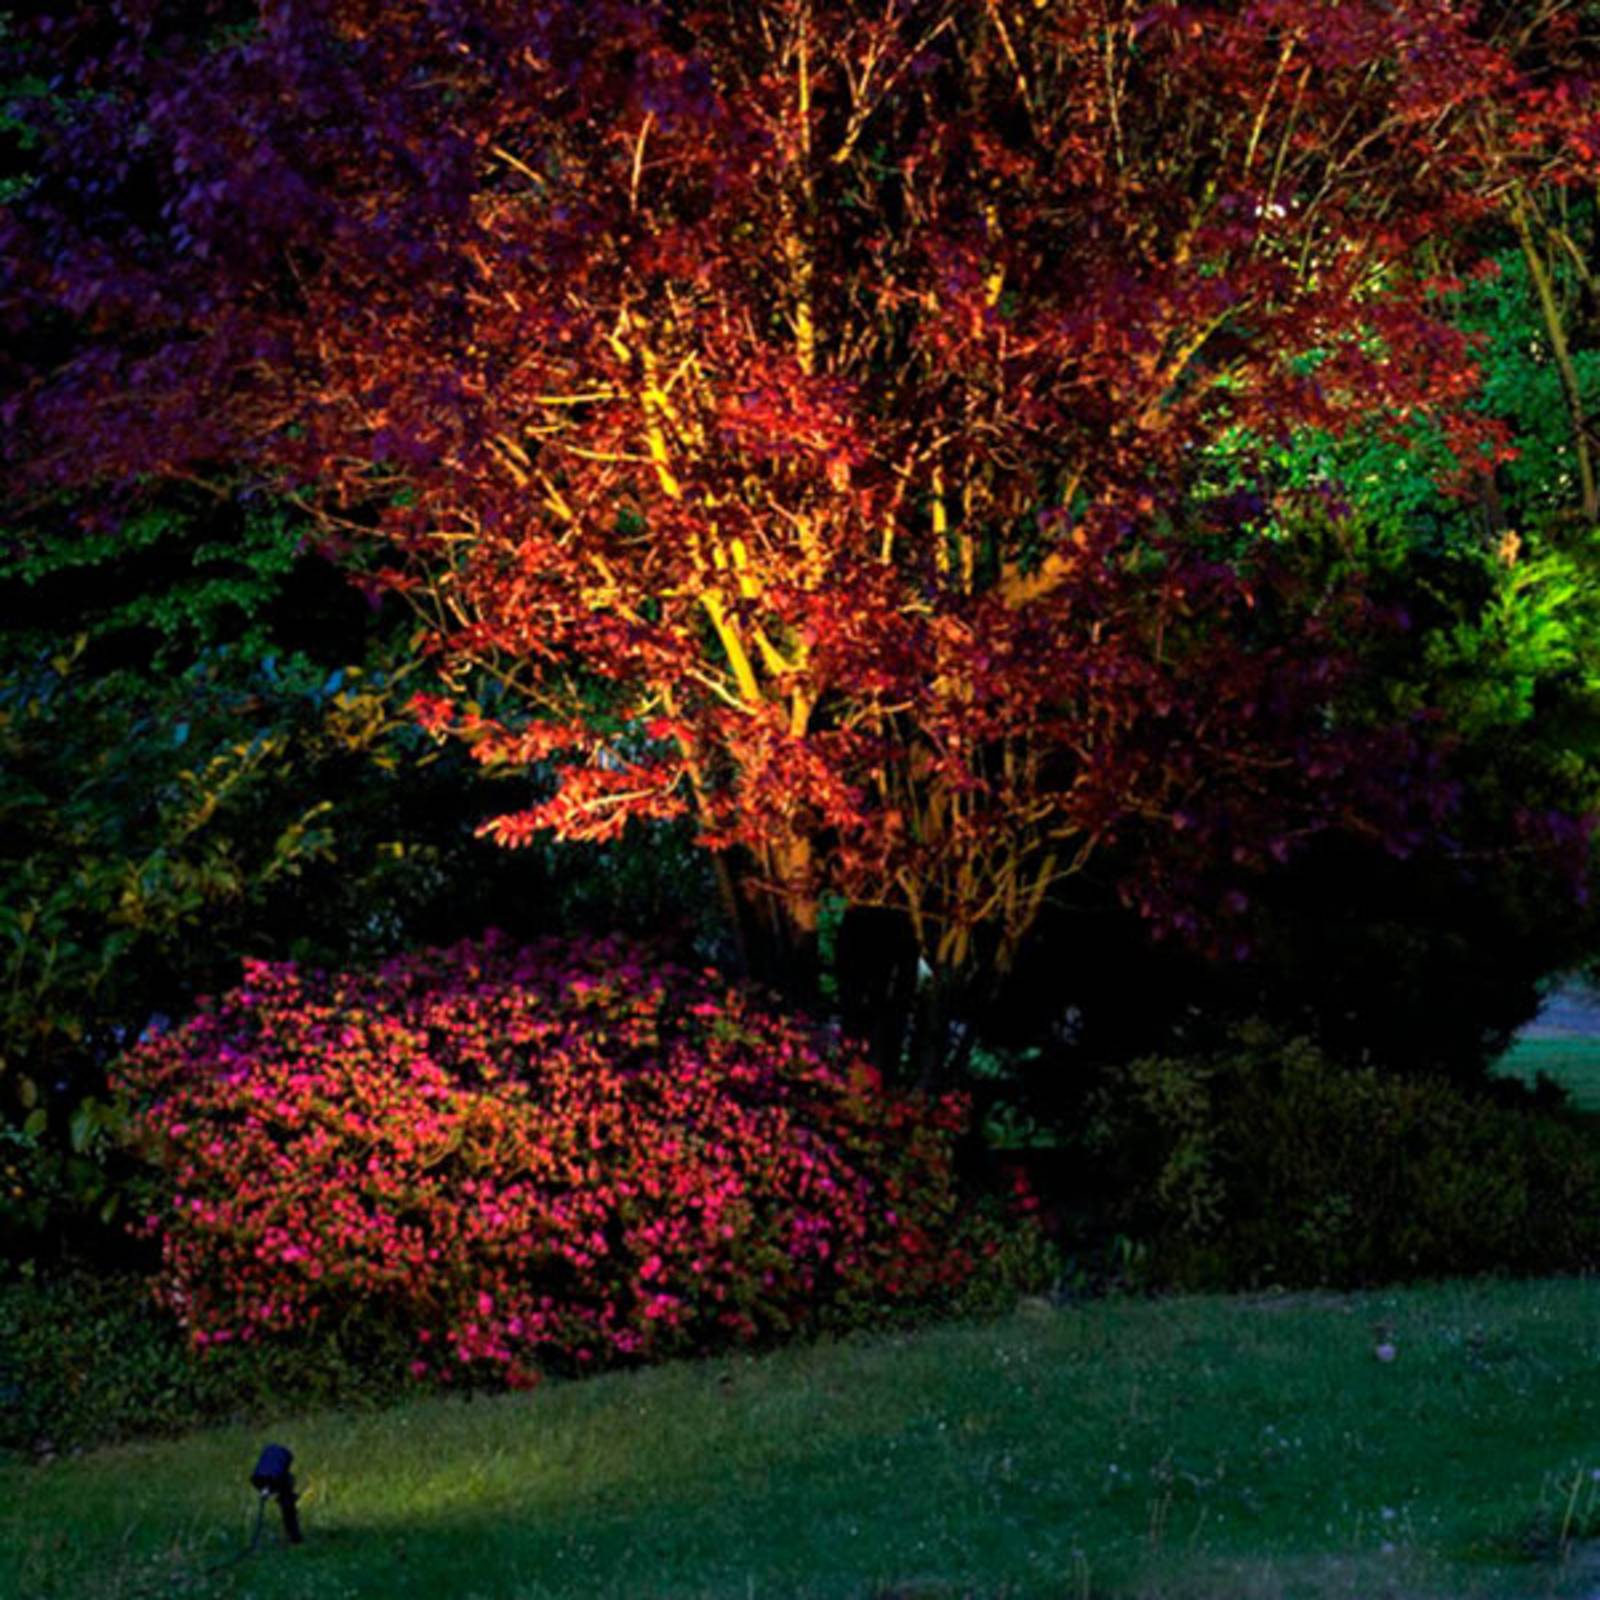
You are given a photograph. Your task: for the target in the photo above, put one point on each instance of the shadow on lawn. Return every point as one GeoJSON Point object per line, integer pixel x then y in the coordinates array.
{"type": "Point", "coordinates": [644, 1544]}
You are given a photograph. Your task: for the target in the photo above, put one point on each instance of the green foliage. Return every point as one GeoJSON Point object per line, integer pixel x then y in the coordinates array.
{"type": "Point", "coordinates": [144, 824]}
{"type": "Point", "coordinates": [1266, 1164]}
{"type": "Point", "coordinates": [206, 754]}
{"type": "Point", "coordinates": [1533, 643]}
{"type": "Point", "coordinates": [184, 579]}
{"type": "Point", "coordinates": [1522, 385]}
{"type": "Point", "coordinates": [151, 826]}
{"type": "Point", "coordinates": [1393, 476]}
{"type": "Point", "coordinates": [81, 1175]}
{"type": "Point", "coordinates": [90, 1358]}
{"type": "Point", "coordinates": [1501, 589]}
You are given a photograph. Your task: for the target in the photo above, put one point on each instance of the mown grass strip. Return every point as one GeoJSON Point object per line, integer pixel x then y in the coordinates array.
{"type": "Point", "coordinates": [1212, 1447]}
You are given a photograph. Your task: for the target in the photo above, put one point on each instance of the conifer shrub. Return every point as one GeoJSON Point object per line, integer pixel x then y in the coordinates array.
{"type": "Point", "coordinates": [544, 1158]}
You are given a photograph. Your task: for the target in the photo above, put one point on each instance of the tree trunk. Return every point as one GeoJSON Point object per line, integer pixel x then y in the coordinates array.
{"type": "Point", "coordinates": [774, 946]}
{"type": "Point", "coordinates": [1555, 331]}
{"type": "Point", "coordinates": [876, 969]}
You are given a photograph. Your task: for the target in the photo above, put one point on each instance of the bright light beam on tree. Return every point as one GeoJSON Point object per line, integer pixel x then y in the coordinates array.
{"type": "Point", "coordinates": [793, 406]}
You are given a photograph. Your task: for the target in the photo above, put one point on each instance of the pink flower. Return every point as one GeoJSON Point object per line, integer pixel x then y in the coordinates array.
{"type": "Point", "coordinates": [527, 1133]}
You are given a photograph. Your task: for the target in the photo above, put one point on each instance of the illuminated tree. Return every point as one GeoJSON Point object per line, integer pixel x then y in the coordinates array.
{"type": "Point", "coordinates": [793, 407]}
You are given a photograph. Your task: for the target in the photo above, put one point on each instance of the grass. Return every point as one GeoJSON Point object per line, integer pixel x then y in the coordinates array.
{"type": "Point", "coordinates": [1210, 1447]}
{"type": "Point", "coordinates": [1573, 1062]}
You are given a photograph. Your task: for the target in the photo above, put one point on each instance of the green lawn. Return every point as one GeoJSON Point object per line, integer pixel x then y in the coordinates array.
{"type": "Point", "coordinates": [1198, 1447]}
{"type": "Point", "coordinates": [1573, 1062]}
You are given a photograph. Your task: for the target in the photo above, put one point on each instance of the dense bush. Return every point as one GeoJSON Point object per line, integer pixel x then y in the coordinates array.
{"type": "Point", "coordinates": [86, 1359]}
{"type": "Point", "coordinates": [551, 1156]}
{"type": "Point", "coordinates": [1265, 1164]}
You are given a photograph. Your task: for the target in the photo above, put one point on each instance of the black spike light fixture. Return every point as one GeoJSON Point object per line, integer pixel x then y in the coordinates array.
{"type": "Point", "coordinates": [273, 1480]}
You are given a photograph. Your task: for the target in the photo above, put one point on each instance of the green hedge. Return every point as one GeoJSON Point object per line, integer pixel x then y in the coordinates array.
{"type": "Point", "coordinates": [1265, 1164]}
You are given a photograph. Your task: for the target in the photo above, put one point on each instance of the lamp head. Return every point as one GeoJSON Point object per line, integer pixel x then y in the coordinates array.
{"type": "Point", "coordinates": [271, 1475]}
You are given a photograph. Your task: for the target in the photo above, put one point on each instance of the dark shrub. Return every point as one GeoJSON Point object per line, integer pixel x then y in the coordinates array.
{"type": "Point", "coordinates": [86, 1358]}
{"type": "Point", "coordinates": [1263, 1164]}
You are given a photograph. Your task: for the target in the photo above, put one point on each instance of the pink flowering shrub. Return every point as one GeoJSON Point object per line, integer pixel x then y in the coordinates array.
{"type": "Point", "coordinates": [545, 1157]}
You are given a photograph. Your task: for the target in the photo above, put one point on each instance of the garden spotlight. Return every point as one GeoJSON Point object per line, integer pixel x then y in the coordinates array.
{"type": "Point", "coordinates": [274, 1480]}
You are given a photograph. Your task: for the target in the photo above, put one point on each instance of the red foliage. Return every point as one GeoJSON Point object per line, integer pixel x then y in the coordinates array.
{"type": "Point", "coordinates": [565, 1154]}
{"type": "Point", "coordinates": [826, 382]}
